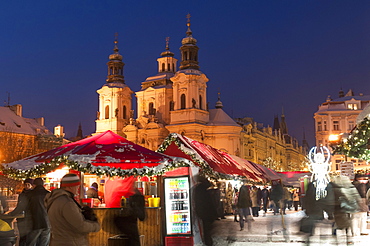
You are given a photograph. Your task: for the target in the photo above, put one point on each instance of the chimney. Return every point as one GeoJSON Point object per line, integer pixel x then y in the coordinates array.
{"type": "Point", "coordinates": [40, 120]}
{"type": "Point", "coordinates": [17, 109]}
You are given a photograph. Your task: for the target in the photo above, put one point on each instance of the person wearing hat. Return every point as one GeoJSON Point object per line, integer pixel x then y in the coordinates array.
{"type": "Point", "coordinates": [68, 224]}
{"type": "Point", "coordinates": [24, 224]}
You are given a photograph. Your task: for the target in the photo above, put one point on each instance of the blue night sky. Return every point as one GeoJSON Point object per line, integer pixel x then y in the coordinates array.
{"type": "Point", "coordinates": [261, 55]}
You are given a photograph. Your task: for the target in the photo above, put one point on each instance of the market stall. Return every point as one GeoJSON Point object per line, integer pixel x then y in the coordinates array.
{"type": "Point", "coordinates": [104, 158]}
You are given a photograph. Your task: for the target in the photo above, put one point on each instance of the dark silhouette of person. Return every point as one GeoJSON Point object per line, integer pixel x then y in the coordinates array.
{"type": "Point", "coordinates": [24, 225]}
{"type": "Point", "coordinates": [127, 223]}
{"type": "Point", "coordinates": [40, 234]}
{"type": "Point", "coordinates": [205, 208]}
{"type": "Point", "coordinates": [265, 195]}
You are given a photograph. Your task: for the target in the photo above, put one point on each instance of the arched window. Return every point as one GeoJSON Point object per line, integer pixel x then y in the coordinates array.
{"type": "Point", "coordinates": [124, 112]}
{"type": "Point", "coordinates": [185, 56]}
{"type": "Point", "coordinates": [183, 101]}
{"type": "Point", "coordinates": [151, 109]}
{"type": "Point", "coordinates": [200, 102]}
{"type": "Point", "coordinates": [168, 67]}
{"type": "Point", "coordinates": [163, 67]}
{"type": "Point", "coordinates": [173, 67]}
{"type": "Point", "coordinates": [106, 112]}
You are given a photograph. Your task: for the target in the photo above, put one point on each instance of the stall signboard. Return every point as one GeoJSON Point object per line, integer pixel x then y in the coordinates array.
{"type": "Point", "coordinates": [177, 206]}
{"type": "Point", "coordinates": [346, 169]}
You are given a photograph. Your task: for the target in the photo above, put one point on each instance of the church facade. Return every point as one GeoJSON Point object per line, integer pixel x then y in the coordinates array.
{"type": "Point", "coordinates": [172, 101]}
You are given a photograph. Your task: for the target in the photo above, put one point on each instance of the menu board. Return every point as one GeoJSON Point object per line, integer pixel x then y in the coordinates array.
{"type": "Point", "coordinates": [177, 205]}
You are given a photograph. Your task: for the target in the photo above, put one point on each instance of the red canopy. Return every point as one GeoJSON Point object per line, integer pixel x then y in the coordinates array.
{"type": "Point", "coordinates": [104, 149]}
{"type": "Point", "coordinates": [219, 161]}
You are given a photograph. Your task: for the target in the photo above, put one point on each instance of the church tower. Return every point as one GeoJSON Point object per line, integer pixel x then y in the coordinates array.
{"type": "Point", "coordinates": [154, 100]}
{"type": "Point", "coordinates": [189, 90]}
{"type": "Point", "coordinates": [114, 97]}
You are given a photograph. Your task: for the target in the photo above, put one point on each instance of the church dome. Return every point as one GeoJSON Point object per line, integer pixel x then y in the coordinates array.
{"type": "Point", "coordinates": [115, 55]}
{"type": "Point", "coordinates": [167, 53]}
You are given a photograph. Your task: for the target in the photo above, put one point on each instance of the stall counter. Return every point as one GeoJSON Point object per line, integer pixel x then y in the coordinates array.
{"type": "Point", "coordinates": [151, 227]}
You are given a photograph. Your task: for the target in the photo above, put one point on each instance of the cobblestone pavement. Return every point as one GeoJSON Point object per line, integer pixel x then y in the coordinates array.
{"type": "Point", "coordinates": [268, 230]}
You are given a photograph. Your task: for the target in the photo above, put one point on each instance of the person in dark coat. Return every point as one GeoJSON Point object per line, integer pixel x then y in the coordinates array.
{"type": "Point", "coordinates": [40, 234]}
{"type": "Point", "coordinates": [360, 218]}
{"type": "Point", "coordinates": [244, 205]}
{"type": "Point", "coordinates": [127, 224]}
{"type": "Point", "coordinates": [265, 195]}
{"type": "Point", "coordinates": [276, 194]}
{"type": "Point", "coordinates": [24, 225]}
{"type": "Point", "coordinates": [205, 208]}
{"type": "Point", "coordinates": [92, 192]}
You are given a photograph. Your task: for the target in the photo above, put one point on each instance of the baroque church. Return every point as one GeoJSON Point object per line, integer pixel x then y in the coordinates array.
{"type": "Point", "coordinates": [170, 101]}
{"type": "Point", "coordinates": [175, 101]}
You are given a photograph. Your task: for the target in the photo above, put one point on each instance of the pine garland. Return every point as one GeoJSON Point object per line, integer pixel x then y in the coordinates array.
{"type": "Point", "coordinates": [44, 168]}
{"type": "Point", "coordinates": [206, 169]}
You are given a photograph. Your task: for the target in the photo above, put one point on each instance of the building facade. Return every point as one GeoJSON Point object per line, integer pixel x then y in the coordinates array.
{"type": "Point", "coordinates": [175, 101]}
{"type": "Point", "coordinates": [336, 117]}
{"type": "Point", "coordinates": [21, 137]}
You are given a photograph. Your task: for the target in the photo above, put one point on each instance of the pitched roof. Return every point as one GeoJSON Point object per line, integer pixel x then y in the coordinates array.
{"type": "Point", "coordinates": [218, 117]}
{"type": "Point", "coordinates": [10, 122]}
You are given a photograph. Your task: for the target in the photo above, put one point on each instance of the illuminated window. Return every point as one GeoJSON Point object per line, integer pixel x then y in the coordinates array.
{"type": "Point", "coordinates": [183, 101]}
{"type": "Point", "coordinates": [336, 125]}
{"type": "Point", "coordinates": [107, 112]}
{"type": "Point", "coordinates": [352, 106]}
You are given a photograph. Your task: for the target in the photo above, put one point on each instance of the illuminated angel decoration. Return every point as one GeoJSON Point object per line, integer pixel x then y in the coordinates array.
{"type": "Point", "coordinates": [319, 167]}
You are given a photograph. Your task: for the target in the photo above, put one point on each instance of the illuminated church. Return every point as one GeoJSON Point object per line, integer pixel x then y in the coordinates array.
{"type": "Point", "coordinates": [172, 101]}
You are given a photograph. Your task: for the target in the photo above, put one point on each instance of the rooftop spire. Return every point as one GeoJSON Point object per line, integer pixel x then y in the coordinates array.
{"type": "Point", "coordinates": [115, 64]}
{"type": "Point", "coordinates": [189, 49]}
{"type": "Point", "coordinates": [167, 52]}
{"type": "Point", "coordinates": [219, 103]}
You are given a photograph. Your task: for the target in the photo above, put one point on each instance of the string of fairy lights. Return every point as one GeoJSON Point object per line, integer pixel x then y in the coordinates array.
{"type": "Point", "coordinates": [61, 161]}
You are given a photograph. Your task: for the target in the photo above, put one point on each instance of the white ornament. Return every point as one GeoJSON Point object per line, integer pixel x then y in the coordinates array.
{"type": "Point", "coordinates": [319, 167]}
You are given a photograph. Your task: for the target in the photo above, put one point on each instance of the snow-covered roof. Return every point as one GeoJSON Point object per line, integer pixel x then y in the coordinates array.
{"type": "Point", "coordinates": [218, 117]}
{"type": "Point", "coordinates": [347, 98]}
{"type": "Point", "coordinates": [10, 122]}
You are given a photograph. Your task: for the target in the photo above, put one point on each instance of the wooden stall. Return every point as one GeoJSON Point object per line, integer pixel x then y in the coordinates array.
{"type": "Point", "coordinates": [150, 227]}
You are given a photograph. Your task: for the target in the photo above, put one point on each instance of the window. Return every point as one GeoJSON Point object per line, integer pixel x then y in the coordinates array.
{"type": "Point", "coordinates": [325, 126]}
{"type": "Point", "coordinates": [200, 102]}
{"type": "Point", "coordinates": [163, 67]}
{"type": "Point", "coordinates": [124, 112]}
{"type": "Point", "coordinates": [183, 101]}
{"type": "Point", "coordinates": [319, 126]}
{"type": "Point", "coordinates": [352, 106]}
{"type": "Point", "coordinates": [351, 125]}
{"type": "Point", "coordinates": [336, 125]}
{"type": "Point", "coordinates": [151, 109]}
{"type": "Point", "coordinates": [107, 112]}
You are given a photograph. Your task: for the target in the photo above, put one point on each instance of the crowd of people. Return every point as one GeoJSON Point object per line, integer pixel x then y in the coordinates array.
{"type": "Point", "coordinates": [346, 203]}
{"type": "Point", "coordinates": [52, 218]}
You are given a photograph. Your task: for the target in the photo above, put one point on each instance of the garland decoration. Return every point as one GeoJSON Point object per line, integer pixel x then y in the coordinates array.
{"type": "Point", "coordinates": [206, 169]}
{"type": "Point", "coordinates": [60, 161]}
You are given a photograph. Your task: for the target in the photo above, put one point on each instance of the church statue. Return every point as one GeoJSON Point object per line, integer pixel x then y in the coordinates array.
{"type": "Point", "coordinates": [97, 115]}
{"type": "Point", "coordinates": [116, 113]}
{"type": "Point", "coordinates": [193, 102]}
